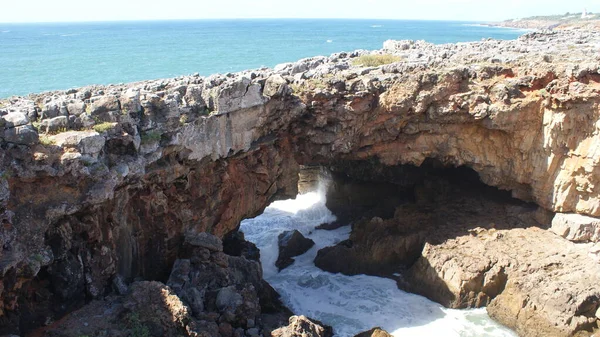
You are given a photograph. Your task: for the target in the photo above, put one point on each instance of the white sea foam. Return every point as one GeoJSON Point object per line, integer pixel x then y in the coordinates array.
{"type": "Point", "coordinates": [350, 304]}
{"type": "Point", "coordinates": [376, 26]}
{"type": "Point", "coordinates": [6, 31]}
{"type": "Point", "coordinates": [329, 41]}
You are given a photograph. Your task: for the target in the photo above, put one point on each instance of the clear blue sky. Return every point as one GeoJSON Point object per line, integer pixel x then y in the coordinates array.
{"type": "Point", "coordinates": [108, 10]}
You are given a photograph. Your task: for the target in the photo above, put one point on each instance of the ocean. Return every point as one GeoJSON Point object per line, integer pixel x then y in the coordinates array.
{"type": "Point", "coordinates": [58, 56]}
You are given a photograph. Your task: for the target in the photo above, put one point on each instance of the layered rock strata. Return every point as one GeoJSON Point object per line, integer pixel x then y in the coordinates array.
{"type": "Point", "coordinates": [105, 181]}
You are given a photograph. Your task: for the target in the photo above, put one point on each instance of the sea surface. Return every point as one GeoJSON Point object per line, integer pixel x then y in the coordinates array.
{"type": "Point", "coordinates": [57, 56]}
{"type": "Point", "coordinates": [350, 304]}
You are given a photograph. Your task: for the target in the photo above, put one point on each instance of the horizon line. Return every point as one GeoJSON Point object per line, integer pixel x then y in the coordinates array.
{"type": "Point", "coordinates": [232, 19]}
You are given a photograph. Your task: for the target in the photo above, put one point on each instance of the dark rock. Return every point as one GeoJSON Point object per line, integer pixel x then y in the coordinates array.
{"type": "Point", "coordinates": [331, 225]}
{"type": "Point", "coordinates": [225, 329]}
{"type": "Point", "coordinates": [67, 277]}
{"type": "Point", "coordinates": [228, 299]}
{"type": "Point", "coordinates": [194, 297]}
{"type": "Point", "coordinates": [291, 243]}
{"type": "Point", "coordinates": [204, 240]}
{"type": "Point", "coordinates": [376, 247]}
{"type": "Point", "coordinates": [235, 244]}
{"type": "Point", "coordinates": [119, 285]}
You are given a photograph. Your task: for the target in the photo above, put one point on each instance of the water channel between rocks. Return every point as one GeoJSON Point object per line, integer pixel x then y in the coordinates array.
{"type": "Point", "coordinates": [350, 304]}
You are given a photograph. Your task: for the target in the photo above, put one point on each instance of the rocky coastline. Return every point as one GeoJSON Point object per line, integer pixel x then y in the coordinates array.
{"type": "Point", "coordinates": [114, 195]}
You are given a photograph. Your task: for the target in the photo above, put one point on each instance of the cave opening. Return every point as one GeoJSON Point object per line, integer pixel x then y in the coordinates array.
{"type": "Point", "coordinates": [368, 225]}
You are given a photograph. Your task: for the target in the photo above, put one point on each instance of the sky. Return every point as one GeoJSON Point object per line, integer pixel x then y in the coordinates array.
{"type": "Point", "coordinates": [113, 10]}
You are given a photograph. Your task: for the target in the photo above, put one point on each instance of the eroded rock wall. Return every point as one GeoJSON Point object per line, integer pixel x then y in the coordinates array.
{"type": "Point", "coordinates": [101, 181]}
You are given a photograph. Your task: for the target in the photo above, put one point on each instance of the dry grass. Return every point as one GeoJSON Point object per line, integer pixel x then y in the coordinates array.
{"type": "Point", "coordinates": [375, 60]}
{"type": "Point", "coordinates": [103, 127]}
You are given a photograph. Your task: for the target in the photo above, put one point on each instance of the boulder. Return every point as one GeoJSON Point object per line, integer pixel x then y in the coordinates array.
{"type": "Point", "coordinates": [239, 94]}
{"type": "Point", "coordinates": [76, 108]}
{"type": "Point", "coordinates": [291, 244]}
{"type": "Point", "coordinates": [104, 104]}
{"type": "Point", "coordinates": [60, 123]}
{"type": "Point", "coordinates": [275, 86]}
{"type": "Point", "coordinates": [204, 240]}
{"type": "Point", "coordinates": [86, 142]}
{"type": "Point", "coordinates": [228, 299]}
{"type": "Point", "coordinates": [331, 225]}
{"type": "Point", "coordinates": [50, 110]}
{"type": "Point", "coordinates": [301, 326]}
{"type": "Point", "coordinates": [375, 332]}
{"type": "Point", "coordinates": [576, 227]}
{"type": "Point", "coordinates": [22, 135]}
{"type": "Point", "coordinates": [521, 274]}
{"type": "Point", "coordinates": [14, 119]}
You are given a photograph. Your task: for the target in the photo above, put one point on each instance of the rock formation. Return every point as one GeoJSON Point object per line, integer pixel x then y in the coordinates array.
{"type": "Point", "coordinates": [100, 185]}
{"type": "Point", "coordinates": [301, 326]}
{"type": "Point", "coordinates": [291, 244]}
{"type": "Point", "coordinates": [375, 332]}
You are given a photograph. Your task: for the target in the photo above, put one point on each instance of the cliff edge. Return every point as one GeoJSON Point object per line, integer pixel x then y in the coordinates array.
{"type": "Point", "coordinates": [105, 181]}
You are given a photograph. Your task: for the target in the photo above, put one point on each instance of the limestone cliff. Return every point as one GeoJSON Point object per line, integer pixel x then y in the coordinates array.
{"type": "Point", "coordinates": [106, 180]}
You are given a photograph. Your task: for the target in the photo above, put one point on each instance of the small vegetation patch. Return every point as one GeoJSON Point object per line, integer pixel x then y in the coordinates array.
{"type": "Point", "coordinates": [138, 329]}
{"type": "Point", "coordinates": [150, 137]}
{"type": "Point", "coordinates": [183, 120]}
{"type": "Point", "coordinates": [46, 140]}
{"type": "Point", "coordinates": [103, 127]}
{"type": "Point", "coordinates": [375, 60]}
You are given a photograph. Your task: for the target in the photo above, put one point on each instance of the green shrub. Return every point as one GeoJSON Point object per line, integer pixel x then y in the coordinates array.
{"type": "Point", "coordinates": [375, 60]}
{"type": "Point", "coordinates": [103, 127]}
{"type": "Point", "coordinates": [138, 329]}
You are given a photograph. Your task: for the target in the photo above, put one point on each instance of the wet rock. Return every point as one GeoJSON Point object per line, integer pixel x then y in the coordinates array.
{"type": "Point", "coordinates": [301, 326]}
{"type": "Point", "coordinates": [376, 247]}
{"type": "Point", "coordinates": [331, 226]}
{"type": "Point", "coordinates": [291, 244]}
{"type": "Point", "coordinates": [576, 227]}
{"type": "Point", "coordinates": [375, 332]}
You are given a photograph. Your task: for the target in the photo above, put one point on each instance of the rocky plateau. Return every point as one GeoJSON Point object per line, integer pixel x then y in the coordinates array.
{"type": "Point", "coordinates": [126, 199]}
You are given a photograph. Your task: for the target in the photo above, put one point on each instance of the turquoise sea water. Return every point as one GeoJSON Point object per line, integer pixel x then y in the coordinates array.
{"type": "Point", "coordinates": [41, 57]}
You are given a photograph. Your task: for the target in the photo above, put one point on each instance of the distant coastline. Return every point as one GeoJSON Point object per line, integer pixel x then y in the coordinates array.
{"type": "Point", "coordinates": [565, 21]}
